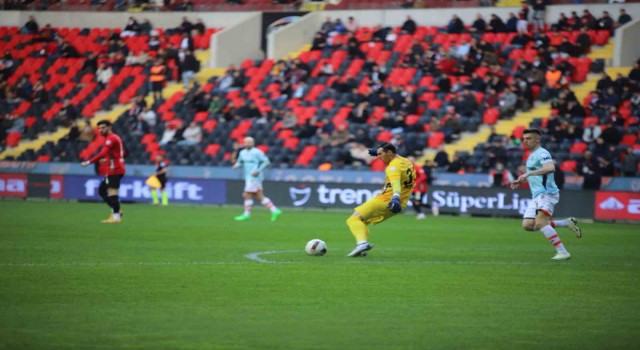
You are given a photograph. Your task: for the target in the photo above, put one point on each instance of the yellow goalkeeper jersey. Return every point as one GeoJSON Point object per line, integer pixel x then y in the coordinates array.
{"type": "Point", "coordinates": [399, 172]}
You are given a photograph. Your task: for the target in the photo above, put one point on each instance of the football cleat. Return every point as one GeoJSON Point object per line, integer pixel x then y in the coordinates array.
{"type": "Point", "coordinates": [360, 250]}
{"type": "Point", "coordinates": [420, 216]}
{"type": "Point", "coordinates": [242, 217]}
{"type": "Point", "coordinates": [573, 225]}
{"type": "Point", "coordinates": [561, 256]}
{"type": "Point", "coordinates": [111, 221]}
{"type": "Point", "coordinates": [275, 214]}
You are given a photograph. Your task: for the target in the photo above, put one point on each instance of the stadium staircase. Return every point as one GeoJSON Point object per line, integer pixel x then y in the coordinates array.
{"type": "Point", "coordinates": [523, 119]}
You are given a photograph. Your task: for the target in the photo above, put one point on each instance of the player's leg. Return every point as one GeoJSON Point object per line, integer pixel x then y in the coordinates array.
{"type": "Point", "coordinates": [545, 204]}
{"type": "Point", "coordinates": [102, 191]}
{"type": "Point", "coordinates": [372, 211]}
{"type": "Point", "coordinates": [264, 200]}
{"type": "Point", "coordinates": [163, 191]}
{"type": "Point", "coordinates": [113, 186]}
{"type": "Point", "coordinates": [416, 200]}
{"type": "Point", "coordinates": [154, 196]}
{"type": "Point", "coordinates": [571, 223]}
{"type": "Point", "coordinates": [529, 217]}
{"type": "Point", "coordinates": [248, 205]}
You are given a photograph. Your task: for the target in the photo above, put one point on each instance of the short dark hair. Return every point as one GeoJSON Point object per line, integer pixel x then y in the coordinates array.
{"type": "Point", "coordinates": [104, 122]}
{"type": "Point", "coordinates": [532, 131]}
{"type": "Point", "coordinates": [388, 147]}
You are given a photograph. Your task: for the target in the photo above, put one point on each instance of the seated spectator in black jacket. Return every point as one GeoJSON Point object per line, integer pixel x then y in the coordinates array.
{"type": "Point", "coordinates": [624, 18]}
{"type": "Point", "coordinates": [455, 26]}
{"type": "Point", "coordinates": [409, 26]}
{"type": "Point", "coordinates": [31, 27]}
{"type": "Point", "coordinates": [479, 25]}
{"type": "Point", "coordinates": [512, 23]}
{"type": "Point", "coordinates": [496, 25]}
{"type": "Point", "coordinates": [589, 168]}
{"type": "Point", "coordinates": [606, 22]}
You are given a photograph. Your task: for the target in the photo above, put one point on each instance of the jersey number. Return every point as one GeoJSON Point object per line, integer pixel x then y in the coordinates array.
{"type": "Point", "coordinates": [409, 182]}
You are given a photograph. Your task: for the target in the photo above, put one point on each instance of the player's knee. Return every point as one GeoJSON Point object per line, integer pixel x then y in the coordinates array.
{"type": "Point", "coordinates": [528, 225]}
{"type": "Point", "coordinates": [539, 225]}
{"type": "Point", "coordinates": [353, 218]}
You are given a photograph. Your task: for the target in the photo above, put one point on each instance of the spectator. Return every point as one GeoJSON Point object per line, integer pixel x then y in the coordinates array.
{"type": "Point", "coordinates": [158, 78]}
{"type": "Point", "coordinates": [351, 25]}
{"type": "Point", "coordinates": [441, 158]}
{"type": "Point", "coordinates": [409, 26]}
{"type": "Point", "coordinates": [457, 164]}
{"type": "Point", "coordinates": [590, 169]}
{"type": "Point", "coordinates": [539, 11]}
{"type": "Point", "coordinates": [154, 40]}
{"type": "Point", "coordinates": [185, 6]}
{"type": "Point", "coordinates": [139, 126]}
{"type": "Point", "coordinates": [583, 42]}
{"type": "Point", "coordinates": [149, 116]}
{"type": "Point", "coordinates": [455, 26]}
{"type": "Point", "coordinates": [496, 25]}
{"type": "Point", "coordinates": [24, 88]}
{"type": "Point", "coordinates": [132, 28]}
{"type": "Point", "coordinates": [512, 23]}
{"type": "Point", "coordinates": [623, 19]}
{"type": "Point", "coordinates": [103, 75]}
{"type": "Point", "coordinates": [606, 22]}
{"type": "Point", "coordinates": [327, 26]}
{"type": "Point", "coordinates": [192, 135]}
{"type": "Point", "coordinates": [170, 133]}
{"type": "Point", "coordinates": [40, 94]}
{"type": "Point", "coordinates": [146, 27]}
{"type": "Point", "coordinates": [500, 176]}
{"type": "Point", "coordinates": [611, 135]}
{"type": "Point", "coordinates": [67, 114]}
{"type": "Point", "coordinates": [189, 66]}
{"type": "Point", "coordinates": [186, 43]}
{"type": "Point", "coordinates": [31, 27]}
{"type": "Point", "coordinates": [326, 70]}
{"type": "Point", "coordinates": [199, 28]}
{"type": "Point", "coordinates": [479, 25]}
{"type": "Point", "coordinates": [522, 23]}
{"type": "Point", "coordinates": [319, 42]}
{"type": "Point", "coordinates": [630, 163]}
{"type": "Point", "coordinates": [558, 175]}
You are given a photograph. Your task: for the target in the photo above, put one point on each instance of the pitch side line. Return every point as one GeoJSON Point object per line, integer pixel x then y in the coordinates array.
{"type": "Point", "coordinates": [160, 263]}
{"type": "Point", "coordinates": [256, 256]}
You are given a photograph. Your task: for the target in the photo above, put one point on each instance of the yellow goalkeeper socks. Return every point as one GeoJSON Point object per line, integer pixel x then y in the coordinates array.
{"type": "Point", "coordinates": [154, 196]}
{"type": "Point", "coordinates": [165, 198]}
{"type": "Point", "coordinates": [358, 228]}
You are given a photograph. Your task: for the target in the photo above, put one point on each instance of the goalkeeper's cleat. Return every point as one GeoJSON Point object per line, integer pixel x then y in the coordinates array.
{"type": "Point", "coordinates": [275, 214]}
{"type": "Point", "coordinates": [562, 256]}
{"type": "Point", "coordinates": [111, 220]}
{"type": "Point", "coordinates": [420, 216]}
{"type": "Point", "coordinates": [242, 217]}
{"type": "Point", "coordinates": [573, 225]}
{"type": "Point", "coordinates": [360, 250]}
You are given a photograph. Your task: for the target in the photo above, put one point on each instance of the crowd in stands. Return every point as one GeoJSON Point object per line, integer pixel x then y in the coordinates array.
{"type": "Point", "coordinates": [413, 86]}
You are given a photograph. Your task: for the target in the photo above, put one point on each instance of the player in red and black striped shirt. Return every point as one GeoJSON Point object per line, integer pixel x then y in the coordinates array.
{"type": "Point", "coordinates": [113, 168]}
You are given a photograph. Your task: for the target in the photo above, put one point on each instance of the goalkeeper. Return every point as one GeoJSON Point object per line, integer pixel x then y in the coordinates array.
{"type": "Point", "coordinates": [399, 181]}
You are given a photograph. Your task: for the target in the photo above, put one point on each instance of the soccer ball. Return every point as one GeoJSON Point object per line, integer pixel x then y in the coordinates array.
{"type": "Point", "coordinates": [316, 247]}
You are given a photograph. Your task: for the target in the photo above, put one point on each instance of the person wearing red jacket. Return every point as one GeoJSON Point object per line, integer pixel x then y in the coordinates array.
{"type": "Point", "coordinates": [113, 169]}
{"type": "Point", "coordinates": [419, 189]}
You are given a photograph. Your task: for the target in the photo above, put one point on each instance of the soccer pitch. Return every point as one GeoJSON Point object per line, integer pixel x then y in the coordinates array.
{"type": "Point", "coordinates": [189, 277]}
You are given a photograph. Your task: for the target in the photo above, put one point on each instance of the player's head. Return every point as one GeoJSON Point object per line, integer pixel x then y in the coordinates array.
{"type": "Point", "coordinates": [386, 152]}
{"type": "Point", "coordinates": [105, 127]}
{"type": "Point", "coordinates": [531, 138]}
{"type": "Point", "coordinates": [249, 142]}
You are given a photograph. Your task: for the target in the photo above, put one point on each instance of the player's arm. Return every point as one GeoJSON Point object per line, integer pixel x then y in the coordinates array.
{"type": "Point", "coordinates": [103, 153]}
{"type": "Point", "coordinates": [393, 173]}
{"type": "Point", "coordinates": [263, 162]}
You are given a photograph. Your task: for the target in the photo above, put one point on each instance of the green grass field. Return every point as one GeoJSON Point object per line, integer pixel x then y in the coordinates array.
{"type": "Point", "coordinates": [181, 277]}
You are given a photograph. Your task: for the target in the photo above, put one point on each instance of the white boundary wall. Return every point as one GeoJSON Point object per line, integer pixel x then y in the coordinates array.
{"type": "Point", "coordinates": [293, 36]}
{"type": "Point", "coordinates": [440, 17]}
{"type": "Point", "coordinates": [237, 42]}
{"type": "Point", "coordinates": [119, 19]}
{"type": "Point", "coordinates": [627, 44]}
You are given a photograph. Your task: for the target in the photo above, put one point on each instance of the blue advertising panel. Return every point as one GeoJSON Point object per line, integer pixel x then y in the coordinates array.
{"type": "Point", "coordinates": [133, 189]}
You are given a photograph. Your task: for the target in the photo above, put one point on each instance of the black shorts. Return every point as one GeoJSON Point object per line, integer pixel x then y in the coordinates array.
{"type": "Point", "coordinates": [113, 181]}
{"type": "Point", "coordinates": [157, 85]}
{"type": "Point", "coordinates": [163, 181]}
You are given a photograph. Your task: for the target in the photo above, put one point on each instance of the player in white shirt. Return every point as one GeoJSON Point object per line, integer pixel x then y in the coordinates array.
{"type": "Point", "coordinates": [545, 194]}
{"type": "Point", "coordinates": [253, 161]}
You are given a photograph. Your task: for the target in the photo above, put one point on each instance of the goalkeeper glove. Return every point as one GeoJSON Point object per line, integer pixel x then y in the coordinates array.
{"type": "Point", "coordinates": [394, 205]}
{"type": "Point", "coordinates": [373, 151]}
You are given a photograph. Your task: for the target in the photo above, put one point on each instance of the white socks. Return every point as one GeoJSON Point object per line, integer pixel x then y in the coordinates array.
{"type": "Point", "coordinates": [553, 238]}
{"type": "Point", "coordinates": [248, 204]}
